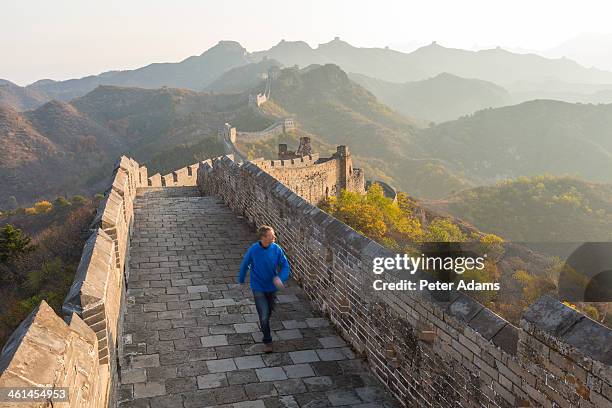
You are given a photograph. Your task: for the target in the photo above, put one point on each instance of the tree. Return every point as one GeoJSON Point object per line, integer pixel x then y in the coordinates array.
{"type": "Point", "coordinates": [443, 230]}
{"type": "Point", "coordinates": [43, 207]}
{"type": "Point", "coordinates": [61, 202]}
{"type": "Point", "coordinates": [13, 243]}
{"type": "Point", "coordinates": [78, 200]}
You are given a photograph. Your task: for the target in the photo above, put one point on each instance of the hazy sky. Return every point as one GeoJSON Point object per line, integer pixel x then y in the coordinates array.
{"type": "Point", "coordinates": [62, 39]}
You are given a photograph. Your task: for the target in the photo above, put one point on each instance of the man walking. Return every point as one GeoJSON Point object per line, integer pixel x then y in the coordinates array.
{"type": "Point", "coordinates": [264, 258]}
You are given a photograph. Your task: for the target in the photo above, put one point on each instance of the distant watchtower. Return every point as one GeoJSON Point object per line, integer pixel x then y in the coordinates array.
{"type": "Point", "coordinates": [345, 166]}
{"type": "Point", "coordinates": [289, 124]}
{"type": "Point", "coordinates": [227, 132]}
{"type": "Point", "coordinates": [304, 149]}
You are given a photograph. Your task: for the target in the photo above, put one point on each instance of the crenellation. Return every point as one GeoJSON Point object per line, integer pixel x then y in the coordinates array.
{"type": "Point", "coordinates": [46, 351]}
{"type": "Point", "coordinates": [93, 307]}
{"type": "Point", "coordinates": [427, 351]}
{"type": "Point", "coordinates": [311, 176]}
{"type": "Point", "coordinates": [155, 180]}
{"type": "Point", "coordinates": [473, 354]}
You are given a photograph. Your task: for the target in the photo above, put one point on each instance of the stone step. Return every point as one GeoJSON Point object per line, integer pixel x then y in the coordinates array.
{"type": "Point", "coordinates": [165, 192]}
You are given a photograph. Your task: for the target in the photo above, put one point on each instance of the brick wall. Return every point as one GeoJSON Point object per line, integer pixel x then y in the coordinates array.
{"type": "Point", "coordinates": [182, 177]}
{"type": "Point", "coordinates": [81, 355]}
{"type": "Point", "coordinates": [313, 178]}
{"type": "Point", "coordinates": [429, 353]}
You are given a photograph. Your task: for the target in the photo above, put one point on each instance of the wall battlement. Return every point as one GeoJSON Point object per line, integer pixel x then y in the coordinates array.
{"type": "Point", "coordinates": [427, 352]}
{"type": "Point", "coordinates": [81, 354]}
{"type": "Point", "coordinates": [312, 177]}
{"type": "Point", "coordinates": [275, 129]}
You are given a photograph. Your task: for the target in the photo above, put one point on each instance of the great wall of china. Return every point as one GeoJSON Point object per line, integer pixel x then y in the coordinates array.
{"type": "Point", "coordinates": [425, 352]}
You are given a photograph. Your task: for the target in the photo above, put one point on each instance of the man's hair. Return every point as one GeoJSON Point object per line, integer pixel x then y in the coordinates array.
{"type": "Point", "coordinates": [263, 230]}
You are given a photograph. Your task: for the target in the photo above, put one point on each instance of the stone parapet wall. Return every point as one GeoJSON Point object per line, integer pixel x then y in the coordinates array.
{"type": "Point", "coordinates": [429, 353]}
{"type": "Point", "coordinates": [271, 165]}
{"type": "Point", "coordinates": [82, 355]}
{"type": "Point", "coordinates": [275, 129]}
{"type": "Point", "coordinates": [182, 177]}
{"type": "Point", "coordinates": [45, 351]}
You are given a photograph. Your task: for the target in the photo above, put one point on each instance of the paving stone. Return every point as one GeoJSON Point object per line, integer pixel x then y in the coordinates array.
{"type": "Point", "coordinates": [330, 368]}
{"type": "Point", "coordinates": [317, 322]}
{"type": "Point", "coordinates": [351, 381]}
{"type": "Point", "coordinates": [370, 394]}
{"type": "Point", "coordinates": [229, 351]}
{"type": "Point", "coordinates": [289, 334]}
{"type": "Point", "coordinates": [220, 366]}
{"type": "Point", "coordinates": [298, 370]}
{"type": "Point", "coordinates": [154, 307]}
{"type": "Point", "coordinates": [290, 387]}
{"type": "Point", "coordinates": [313, 400]}
{"type": "Point", "coordinates": [242, 377]}
{"type": "Point", "coordinates": [196, 289]}
{"type": "Point", "coordinates": [196, 332]}
{"type": "Point", "coordinates": [213, 341]}
{"type": "Point", "coordinates": [133, 376]}
{"type": "Point", "coordinates": [223, 302]}
{"type": "Point", "coordinates": [151, 360]}
{"type": "Point", "coordinates": [198, 399]}
{"type": "Point", "coordinates": [249, 362]}
{"type": "Point", "coordinates": [202, 354]}
{"type": "Point", "coordinates": [170, 314]}
{"type": "Point", "coordinates": [167, 401]}
{"type": "Point", "coordinates": [231, 394]}
{"type": "Point", "coordinates": [288, 401]}
{"type": "Point", "coordinates": [271, 374]}
{"type": "Point", "coordinates": [287, 298]}
{"type": "Point", "coordinates": [303, 356]}
{"type": "Point", "coordinates": [149, 389]}
{"type": "Point", "coordinates": [135, 403]}
{"type": "Point", "coordinates": [249, 404]}
{"type": "Point", "coordinates": [331, 354]}
{"type": "Point", "coordinates": [161, 373]}
{"type": "Point", "coordinates": [189, 343]}
{"type": "Point", "coordinates": [294, 324]}
{"type": "Point", "coordinates": [343, 397]}
{"type": "Point", "coordinates": [175, 357]}
{"type": "Point", "coordinates": [260, 390]}
{"type": "Point", "coordinates": [246, 327]}
{"type": "Point", "coordinates": [240, 338]}
{"type": "Point", "coordinates": [173, 334]}
{"type": "Point", "coordinates": [192, 368]}
{"type": "Point", "coordinates": [231, 318]}
{"type": "Point", "coordinates": [332, 341]}
{"type": "Point", "coordinates": [321, 383]}
{"type": "Point", "coordinates": [222, 329]}
{"type": "Point", "coordinates": [276, 359]}
{"type": "Point", "coordinates": [181, 384]}
{"type": "Point", "coordinates": [212, 380]}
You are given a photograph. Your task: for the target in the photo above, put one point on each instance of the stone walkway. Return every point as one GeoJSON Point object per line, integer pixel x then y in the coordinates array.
{"type": "Point", "coordinates": [191, 337]}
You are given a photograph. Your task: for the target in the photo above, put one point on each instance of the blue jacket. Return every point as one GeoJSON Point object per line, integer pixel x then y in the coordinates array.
{"type": "Point", "coordinates": [264, 263]}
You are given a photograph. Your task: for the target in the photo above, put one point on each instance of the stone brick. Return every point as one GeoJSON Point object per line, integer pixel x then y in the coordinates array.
{"type": "Point", "coordinates": [271, 374]}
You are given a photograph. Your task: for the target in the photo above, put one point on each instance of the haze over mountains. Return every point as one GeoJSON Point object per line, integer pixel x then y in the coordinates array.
{"type": "Point", "coordinates": [441, 98]}
{"type": "Point", "coordinates": [529, 76]}
{"type": "Point", "coordinates": [590, 49]}
{"type": "Point", "coordinates": [434, 122]}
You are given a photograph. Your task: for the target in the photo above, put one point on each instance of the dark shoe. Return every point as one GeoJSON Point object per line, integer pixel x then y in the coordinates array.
{"type": "Point", "coordinates": [268, 348]}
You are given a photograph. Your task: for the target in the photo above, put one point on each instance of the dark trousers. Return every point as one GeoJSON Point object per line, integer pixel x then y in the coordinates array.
{"type": "Point", "coordinates": [264, 302]}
